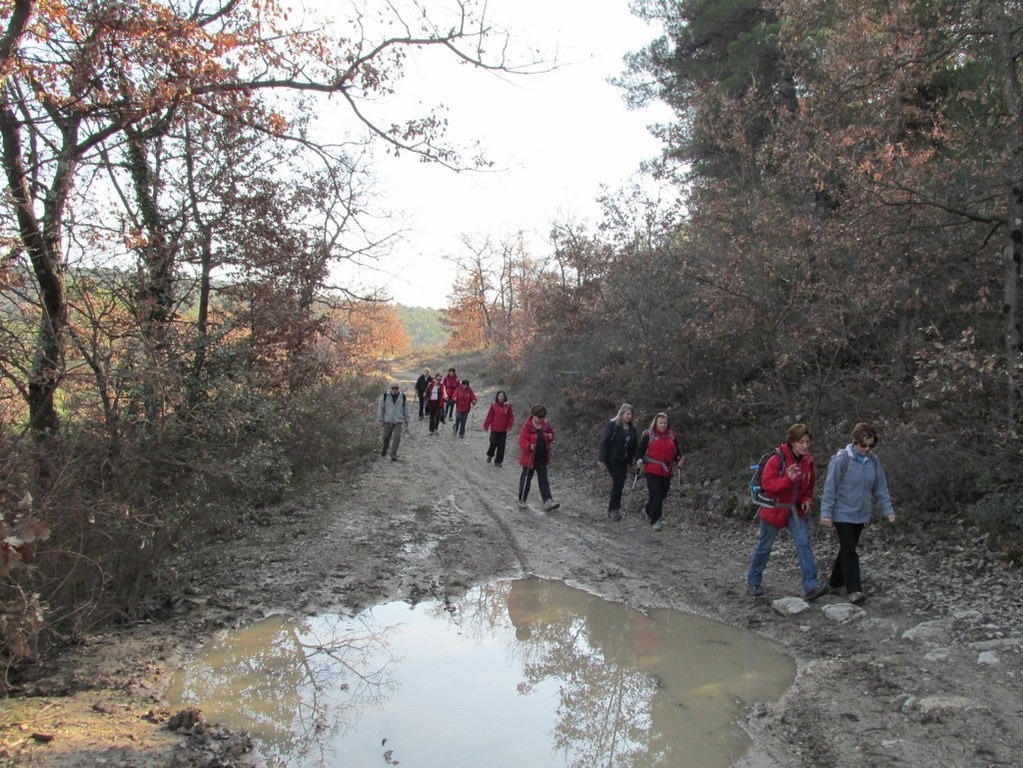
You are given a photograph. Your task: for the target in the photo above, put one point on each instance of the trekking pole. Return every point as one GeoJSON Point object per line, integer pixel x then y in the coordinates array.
{"type": "Point", "coordinates": [632, 487]}
{"type": "Point", "coordinates": [635, 480]}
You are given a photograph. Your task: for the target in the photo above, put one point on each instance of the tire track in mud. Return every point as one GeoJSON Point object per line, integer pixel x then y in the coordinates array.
{"type": "Point", "coordinates": [475, 486]}
{"type": "Point", "coordinates": [571, 543]}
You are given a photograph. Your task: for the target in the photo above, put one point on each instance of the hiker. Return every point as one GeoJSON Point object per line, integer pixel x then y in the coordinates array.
{"type": "Point", "coordinates": [498, 421]}
{"type": "Point", "coordinates": [535, 440]}
{"type": "Point", "coordinates": [617, 447]}
{"type": "Point", "coordinates": [788, 477]}
{"type": "Point", "coordinates": [392, 413]}
{"type": "Point", "coordinates": [854, 483]}
{"type": "Point", "coordinates": [659, 454]}
{"type": "Point", "coordinates": [421, 384]}
{"type": "Point", "coordinates": [451, 385]}
{"type": "Point", "coordinates": [465, 399]}
{"type": "Point", "coordinates": [435, 399]}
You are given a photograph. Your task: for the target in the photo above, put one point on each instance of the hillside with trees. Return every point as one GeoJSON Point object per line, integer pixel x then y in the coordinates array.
{"type": "Point", "coordinates": [423, 326]}
{"type": "Point", "coordinates": [843, 244]}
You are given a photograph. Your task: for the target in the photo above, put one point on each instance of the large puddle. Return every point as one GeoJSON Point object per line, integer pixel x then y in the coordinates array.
{"type": "Point", "coordinates": [515, 673]}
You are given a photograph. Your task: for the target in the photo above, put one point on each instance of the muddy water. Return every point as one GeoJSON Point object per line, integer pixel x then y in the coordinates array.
{"type": "Point", "coordinates": [515, 673]}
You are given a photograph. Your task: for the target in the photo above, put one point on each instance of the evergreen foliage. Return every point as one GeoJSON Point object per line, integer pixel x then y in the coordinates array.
{"type": "Point", "coordinates": [423, 326]}
{"type": "Point", "coordinates": [845, 246]}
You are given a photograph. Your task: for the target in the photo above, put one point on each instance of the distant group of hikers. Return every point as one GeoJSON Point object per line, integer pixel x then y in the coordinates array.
{"type": "Point", "coordinates": [441, 396]}
{"type": "Point", "coordinates": [854, 483]}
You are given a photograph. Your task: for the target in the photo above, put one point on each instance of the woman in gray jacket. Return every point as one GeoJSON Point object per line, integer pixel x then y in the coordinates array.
{"type": "Point", "coordinates": [855, 482]}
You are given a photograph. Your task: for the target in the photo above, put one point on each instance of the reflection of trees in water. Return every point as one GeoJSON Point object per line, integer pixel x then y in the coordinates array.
{"type": "Point", "coordinates": [592, 649]}
{"type": "Point", "coordinates": [290, 682]}
{"type": "Point", "coordinates": [603, 716]}
{"type": "Point", "coordinates": [477, 613]}
{"type": "Point", "coordinates": [621, 699]}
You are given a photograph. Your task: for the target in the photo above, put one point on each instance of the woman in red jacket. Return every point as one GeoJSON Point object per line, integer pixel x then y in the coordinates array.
{"type": "Point", "coordinates": [451, 385]}
{"type": "Point", "coordinates": [535, 442]}
{"type": "Point", "coordinates": [465, 399]}
{"type": "Point", "coordinates": [659, 454]}
{"type": "Point", "coordinates": [788, 477]}
{"type": "Point", "coordinates": [499, 420]}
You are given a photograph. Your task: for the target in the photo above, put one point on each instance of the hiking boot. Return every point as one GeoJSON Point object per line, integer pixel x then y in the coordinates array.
{"type": "Point", "coordinates": [756, 591]}
{"type": "Point", "coordinates": [615, 514]}
{"type": "Point", "coordinates": [657, 526]}
{"type": "Point", "coordinates": [498, 464]}
{"type": "Point", "coordinates": [383, 452]}
{"type": "Point", "coordinates": [820, 589]}
{"type": "Point", "coordinates": [394, 458]}
{"type": "Point", "coordinates": [489, 459]}
{"type": "Point", "coordinates": [522, 505]}
{"type": "Point", "coordinates": [550, 505]}
{"type": "Point", "coordinates": [856, 597]}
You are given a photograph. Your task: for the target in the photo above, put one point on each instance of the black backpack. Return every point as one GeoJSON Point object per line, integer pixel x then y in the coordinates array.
{"type": "Point", "coordinates": [756, 491]}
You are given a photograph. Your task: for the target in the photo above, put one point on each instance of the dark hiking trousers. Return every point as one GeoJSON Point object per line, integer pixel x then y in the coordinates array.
{"type": "Point", "coordinates": [657, 491]}
{"type": "Point", "coordinates": [618, 470]}
{"type": "Point", "coordinates": [846, 570]}
{"type": "Point", "coordinates": [526, 479]}
{"type": "Point", "coordinates": [498, 440]}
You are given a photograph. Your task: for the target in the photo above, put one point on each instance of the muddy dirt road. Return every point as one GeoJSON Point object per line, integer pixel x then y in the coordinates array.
{"type": "Point", "coordinates": [927, 674]}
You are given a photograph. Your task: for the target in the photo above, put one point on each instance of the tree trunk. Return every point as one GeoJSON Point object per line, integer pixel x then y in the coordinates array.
{"type": "Point", "coordinates": [1013, 334]}
{"type": "Point", "coordinates": [42, 242]}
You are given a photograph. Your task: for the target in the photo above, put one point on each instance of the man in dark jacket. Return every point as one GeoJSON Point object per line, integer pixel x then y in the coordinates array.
{"type": "Point", "coordinates": [421, 384]}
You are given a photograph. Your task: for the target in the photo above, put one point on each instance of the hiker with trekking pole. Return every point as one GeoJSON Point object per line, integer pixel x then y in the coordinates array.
{"type": "Point", "coordinates": [535, 440]}
{"type": "Point", "coordinates": [617, 448]}
{"type": "Point", "coordinates": [465, 399]}
{"type": "Point", "coordinates": [659, 453]}
{"type": "Point", "coordinates": [451, 384]}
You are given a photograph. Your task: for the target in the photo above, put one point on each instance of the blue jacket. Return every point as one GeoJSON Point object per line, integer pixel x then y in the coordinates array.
{"type": "Point", "coordinates": [851, 488]}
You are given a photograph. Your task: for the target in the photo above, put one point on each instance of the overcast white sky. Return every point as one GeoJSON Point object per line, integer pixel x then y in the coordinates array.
{"type": "Point", "coordinates": [554, 137]}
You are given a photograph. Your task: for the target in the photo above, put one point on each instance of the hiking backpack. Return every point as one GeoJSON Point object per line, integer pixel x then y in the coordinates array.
{"type": "Point", "coordinates": [756, 491]}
